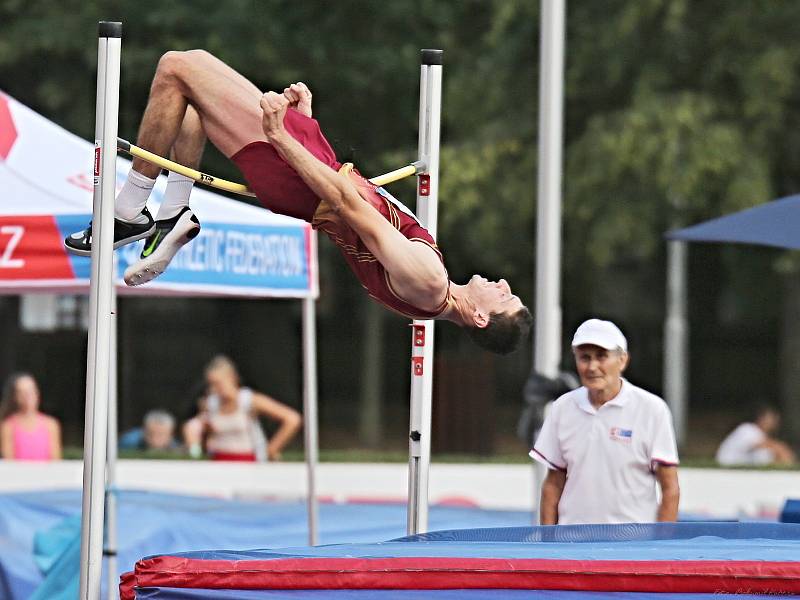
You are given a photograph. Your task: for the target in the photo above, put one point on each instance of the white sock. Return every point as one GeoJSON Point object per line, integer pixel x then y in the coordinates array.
{"type": "Point", "coordinates": [133, 197]}
{"type": "Point", "coordinates": [176, 196]}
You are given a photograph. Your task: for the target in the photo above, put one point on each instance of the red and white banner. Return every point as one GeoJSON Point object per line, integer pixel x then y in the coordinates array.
{"type": "Point", "coordinates": [46, 185]}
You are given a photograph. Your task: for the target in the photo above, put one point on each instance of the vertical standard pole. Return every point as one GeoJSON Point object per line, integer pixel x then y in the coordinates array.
{"type": "Point", "coordinates": [110, 550]}
{"type": "Point", "coordinates": [676, 338]}
{"type": "Point", "coordinates": [547, 349]}
{"type": "Point", "coordinates": [419, 446]}
{"type": "Point", "coordinates": [310, 399]}
{"type": "Point", "coordinates": [547, 323]}
{"type": "Point", "coordinates": [100, 307]}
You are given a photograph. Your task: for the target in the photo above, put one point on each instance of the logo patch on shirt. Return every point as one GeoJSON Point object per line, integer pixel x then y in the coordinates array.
{"type": "Point", "coordinates": [624, 436]}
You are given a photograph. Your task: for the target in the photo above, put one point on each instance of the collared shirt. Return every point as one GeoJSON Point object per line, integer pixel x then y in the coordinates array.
{"type": "Point", "coordinates": [609, 454]}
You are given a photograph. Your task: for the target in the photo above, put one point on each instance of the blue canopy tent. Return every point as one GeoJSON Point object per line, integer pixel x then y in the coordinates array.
{"type": "Point", "coordinates": [775, 224]}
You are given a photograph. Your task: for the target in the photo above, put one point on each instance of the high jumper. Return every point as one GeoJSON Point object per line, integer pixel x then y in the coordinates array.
{"type": "Point", "coordinates": [292, 169]}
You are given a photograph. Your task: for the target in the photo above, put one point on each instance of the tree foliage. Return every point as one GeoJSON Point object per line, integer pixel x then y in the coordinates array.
{"type": "Point", "coordinates": [676, 111]}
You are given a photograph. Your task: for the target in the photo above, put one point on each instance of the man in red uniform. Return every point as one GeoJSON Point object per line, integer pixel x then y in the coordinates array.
{"type": "Point", "coordinates": [292, 169]}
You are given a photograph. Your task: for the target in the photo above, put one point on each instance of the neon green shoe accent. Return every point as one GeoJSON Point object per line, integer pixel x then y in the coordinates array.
{"type": "Point", "coordinates": [149, 250]}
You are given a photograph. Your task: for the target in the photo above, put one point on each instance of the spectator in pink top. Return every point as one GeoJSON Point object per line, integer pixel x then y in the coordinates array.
{"type": "Point", "coordinates": [25, 432]}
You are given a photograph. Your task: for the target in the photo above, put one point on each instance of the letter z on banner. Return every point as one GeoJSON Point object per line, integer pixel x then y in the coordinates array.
{"type": "Point", "coordinates": [7, 260]}
{"type": "Point", "coordinates": [31, 248]}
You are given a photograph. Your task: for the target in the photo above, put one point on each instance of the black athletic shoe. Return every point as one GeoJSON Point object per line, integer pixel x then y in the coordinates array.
{"type": "Point", "coordinates": [80, 242]}
{"type": "Point", "coordinates": [162, 246]}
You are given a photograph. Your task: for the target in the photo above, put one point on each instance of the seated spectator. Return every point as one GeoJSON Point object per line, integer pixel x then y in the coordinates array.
{"type": "Point", "coordinates": [156, 433]}
{"type": "Point", "coordinates": [228, 419]}
{"type": "Point", "coordinates": [25, 432]}
{"type": "Point", "coordinates": [751, 442]}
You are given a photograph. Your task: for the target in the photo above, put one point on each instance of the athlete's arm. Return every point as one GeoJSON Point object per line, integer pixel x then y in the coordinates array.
{"type": "Point", "coordinates": [54, 431]}
{"type": "Point", "coordinates": [782, 453]}
{"type": "Point", "coordinates": [667, 476]}
{"type": "Point", "coordinates": [552, 488]}
{"type": "Point", "coordinates": [194, 429]}
{"type": "Point", "coordinates": [415, 270]}
{"type": "Point", "coordinates": [289, 419]}
{"type": "Point", "coordinates": [7, 438]}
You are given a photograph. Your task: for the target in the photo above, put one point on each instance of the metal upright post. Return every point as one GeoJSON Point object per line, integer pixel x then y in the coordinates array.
{"type": "Point", "coordinates": [547, 325]}
{"type": "Point", "coordinates": [110, 549]}
{"type": "Point", "coordinates": [100, 308]}
{"type": "Point", "coordinates": [310, 413]}
{"type": "Point", "coordinates": [419, 447]}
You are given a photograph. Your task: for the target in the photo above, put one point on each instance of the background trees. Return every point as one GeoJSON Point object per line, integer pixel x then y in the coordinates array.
{"type": "Point", "coordinates": [676, 111]}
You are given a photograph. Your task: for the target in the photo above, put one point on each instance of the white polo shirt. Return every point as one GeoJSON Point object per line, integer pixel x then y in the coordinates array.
{"type": "Point", "coordinates": [609, 454]}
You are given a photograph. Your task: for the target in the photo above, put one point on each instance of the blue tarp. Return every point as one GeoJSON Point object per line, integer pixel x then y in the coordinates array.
{"type": "Point", "coordinates": [775, 223]}
{"type": "Point", "coordinates": [634, 542]}
{"type": "Point", "coordinates": [151, 523]}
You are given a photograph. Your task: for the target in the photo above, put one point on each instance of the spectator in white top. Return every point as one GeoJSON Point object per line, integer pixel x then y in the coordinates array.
{"type": "Point", "coordinates": [228, 419]}
{"type": "Point", "coordinates": [608, 443]}
{"type": "Point", "coordinates": [751, 443]}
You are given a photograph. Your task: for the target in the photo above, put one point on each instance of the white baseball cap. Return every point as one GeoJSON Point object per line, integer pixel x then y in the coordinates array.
{"type": "Point", "coordinates": [599, 333]}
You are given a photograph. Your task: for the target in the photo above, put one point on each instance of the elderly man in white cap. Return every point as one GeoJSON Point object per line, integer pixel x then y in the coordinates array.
{"type": "Point", "coordinates": [607, 443]}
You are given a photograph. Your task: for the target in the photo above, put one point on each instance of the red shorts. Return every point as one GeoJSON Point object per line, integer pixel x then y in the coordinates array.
{"type": "Point", "coordinates": [230, 456]}
{"type": "Point", "coordinates": [275, 183]}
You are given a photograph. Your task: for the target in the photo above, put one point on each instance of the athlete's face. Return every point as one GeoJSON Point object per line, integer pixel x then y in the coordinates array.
{"type": "Point", "coordinates": [158, 436]}
{"type": "Point", "coordinates": [769, 421]}
{"type": "Point", "coordinates": [493, 296]}
{"type": "Point", "coordinates": [27, 395]}
{"type": "Point", "coordinates": [223, 382]}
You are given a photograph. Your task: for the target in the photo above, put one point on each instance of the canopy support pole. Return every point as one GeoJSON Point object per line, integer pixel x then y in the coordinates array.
{"type": "Point", "coordinates": [419, 445]}
{"type": "Point", "coordinates": [310, 407]}
{"type": "Point", "coordinates": [100, 309]}
{"type": "Point", "coordinates": [676, 338]}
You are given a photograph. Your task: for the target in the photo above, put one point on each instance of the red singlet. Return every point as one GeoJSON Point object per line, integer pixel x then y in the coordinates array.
{"type": "Point", "coordinates": [282, 190]}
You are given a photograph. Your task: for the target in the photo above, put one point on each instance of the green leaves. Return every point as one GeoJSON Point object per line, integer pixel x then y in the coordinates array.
{"type": "Point", "coordinates": [676, 111]}
{"type": "Point", "coordinates": [669, 158]}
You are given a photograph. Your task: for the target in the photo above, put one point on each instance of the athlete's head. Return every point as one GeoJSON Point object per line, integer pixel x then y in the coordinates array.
{"type": "Point", "coordinates": [767, 418]}
{"type": "Point", "coordinates": [20, 395]}
{"type": "Point", "coordinates": [222, 377]}
{"type": "Point", "coordinates": [497, 319]}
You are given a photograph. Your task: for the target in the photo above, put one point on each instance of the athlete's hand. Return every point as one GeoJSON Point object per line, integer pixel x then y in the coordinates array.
{"type": "Point", "coordinates": [299, 97]}
{"type": "Point", "coordinates": [274, 107]}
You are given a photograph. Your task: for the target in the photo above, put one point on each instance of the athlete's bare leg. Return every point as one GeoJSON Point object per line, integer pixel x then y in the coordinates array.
{"type": "Point", "coordinates": [191, 141]}
{"type": "Point", "coordinates": [176, 224]}
{"type": "Point", "coordinates": [227, 103]}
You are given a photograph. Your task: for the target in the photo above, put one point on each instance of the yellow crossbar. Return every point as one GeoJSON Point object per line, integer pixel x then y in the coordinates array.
{"type": "Point", "coordinates": [238, 188]}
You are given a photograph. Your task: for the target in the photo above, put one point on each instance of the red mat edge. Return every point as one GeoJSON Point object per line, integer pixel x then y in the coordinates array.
{"type": "Point", "coordinates": [753, 577]}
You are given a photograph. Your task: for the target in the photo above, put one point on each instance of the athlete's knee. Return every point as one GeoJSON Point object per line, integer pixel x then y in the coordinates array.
{"type": "Point", "coordinates": [198, 55]}
{"type": "Point", "coordinates": [169, 67]}
{"type": "Point", "coordinates": [178, 63]}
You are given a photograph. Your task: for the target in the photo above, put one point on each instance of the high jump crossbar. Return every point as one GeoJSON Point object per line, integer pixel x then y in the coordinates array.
{"type": "Point", "coordinates": [238, 188]}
